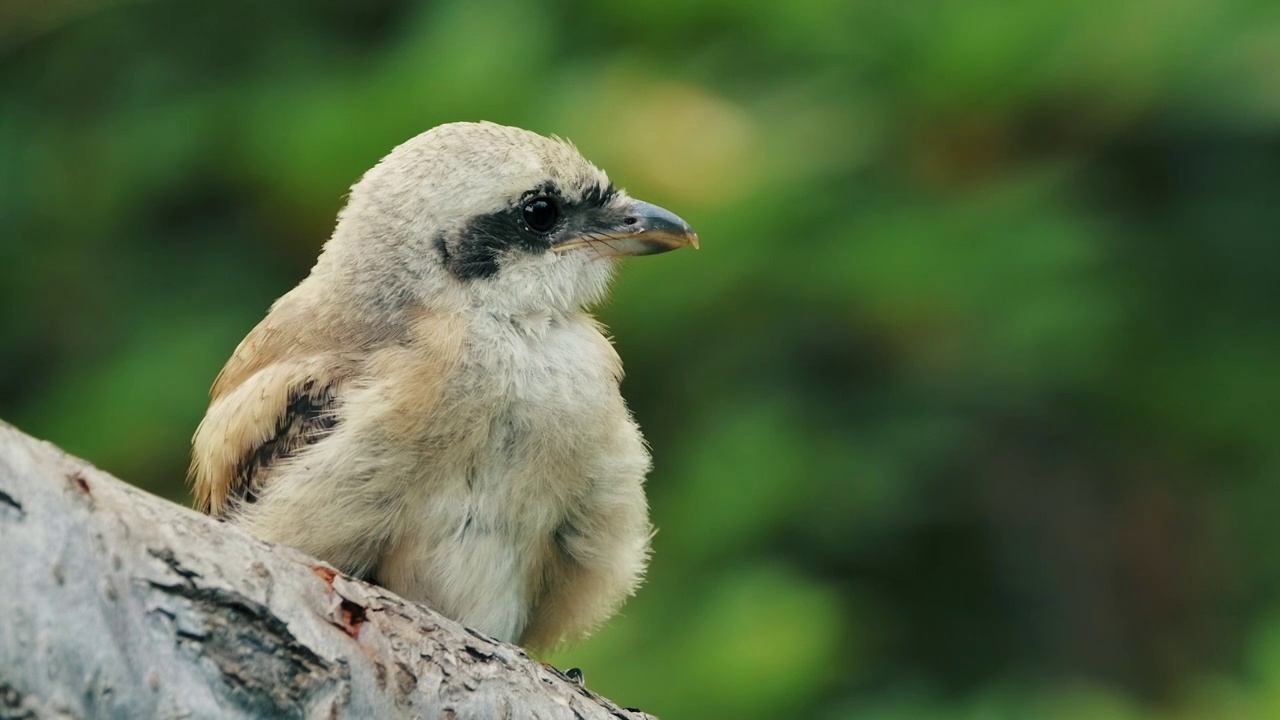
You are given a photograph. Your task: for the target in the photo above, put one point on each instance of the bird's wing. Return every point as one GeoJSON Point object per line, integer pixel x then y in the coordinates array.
{"type": "Point", "coordinates": [283, 390]}
{"type": "Point", "coordinates": [274, 397]}
{"type": "Point", "coordinates": [274, 414]}
{"type": "Point", "coordinates": [277, 394]}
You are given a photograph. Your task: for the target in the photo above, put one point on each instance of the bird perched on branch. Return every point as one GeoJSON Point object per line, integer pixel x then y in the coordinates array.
{"type": "Point", "coordinates": [433, 409]}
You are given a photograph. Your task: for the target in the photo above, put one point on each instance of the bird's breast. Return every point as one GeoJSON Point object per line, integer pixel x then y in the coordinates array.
{"type": "Point", "coordinates": [531, 420]}
{"type": "Point", "coordinates": [525, 427]}
{"type": "Point", "coordinates": [545, 399]}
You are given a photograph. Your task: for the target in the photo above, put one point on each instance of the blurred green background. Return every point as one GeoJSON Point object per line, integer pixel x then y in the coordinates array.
{"type": "Point", "coordinates": [966, 409]}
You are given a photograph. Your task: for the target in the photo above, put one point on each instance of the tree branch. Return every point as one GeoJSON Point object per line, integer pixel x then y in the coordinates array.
{"type": "Point", "coordinates": [121, 604]}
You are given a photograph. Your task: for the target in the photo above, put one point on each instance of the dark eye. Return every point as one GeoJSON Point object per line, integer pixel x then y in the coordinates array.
{"type": "Point", "coordinates": [541, 213]}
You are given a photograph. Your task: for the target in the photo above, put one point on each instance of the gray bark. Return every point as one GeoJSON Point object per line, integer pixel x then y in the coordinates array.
{"type": "Point", "coordinates": [118, 604]}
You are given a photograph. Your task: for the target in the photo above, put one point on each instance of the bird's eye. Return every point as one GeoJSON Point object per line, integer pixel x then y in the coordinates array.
{"type": "Point", "coordinates": [541, 213]}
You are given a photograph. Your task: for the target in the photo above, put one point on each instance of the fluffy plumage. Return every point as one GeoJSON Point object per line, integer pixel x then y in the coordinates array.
{"type": "Point", "coordinates": [432, 408]}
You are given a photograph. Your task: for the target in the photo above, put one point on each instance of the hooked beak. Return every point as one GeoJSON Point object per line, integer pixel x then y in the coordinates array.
{"type": "Point", "coordinates": [635, 228]}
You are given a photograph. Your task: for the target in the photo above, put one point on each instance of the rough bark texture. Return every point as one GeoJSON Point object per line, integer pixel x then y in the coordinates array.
{"type": "Point", "coordinates": [116, 603]}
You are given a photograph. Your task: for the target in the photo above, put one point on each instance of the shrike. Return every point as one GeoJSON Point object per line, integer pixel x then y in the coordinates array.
{"type": "Point", "coordinates": [433, 409]}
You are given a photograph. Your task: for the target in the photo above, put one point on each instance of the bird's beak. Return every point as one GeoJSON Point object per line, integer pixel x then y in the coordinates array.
{"type": "Point", "coordinates": [635, 228]}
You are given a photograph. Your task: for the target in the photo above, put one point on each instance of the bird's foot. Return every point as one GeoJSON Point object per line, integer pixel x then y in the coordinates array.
{"type": "Point", "coordinates": [572, 674]}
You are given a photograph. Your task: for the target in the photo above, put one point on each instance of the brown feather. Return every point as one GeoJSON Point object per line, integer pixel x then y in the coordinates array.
{"type": "Point", "coordinates": [309, 415]}
{"type": "Point", "coordinates": [277, 394]}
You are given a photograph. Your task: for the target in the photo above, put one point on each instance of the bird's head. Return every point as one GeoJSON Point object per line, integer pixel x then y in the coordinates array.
{"type": "Point", "coordinates": [483, 214]}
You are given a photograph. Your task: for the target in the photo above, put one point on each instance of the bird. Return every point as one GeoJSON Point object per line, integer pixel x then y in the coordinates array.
{"type": "Point", "coordinates": [433, 408]}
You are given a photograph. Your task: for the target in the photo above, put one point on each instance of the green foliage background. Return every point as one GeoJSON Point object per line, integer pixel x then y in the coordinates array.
{"type": "Point", "coordinates": [966, 409]}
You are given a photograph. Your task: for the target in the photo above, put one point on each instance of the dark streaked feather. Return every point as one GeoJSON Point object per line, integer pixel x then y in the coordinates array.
{"type": "Point", "coordinates": [306, 418]}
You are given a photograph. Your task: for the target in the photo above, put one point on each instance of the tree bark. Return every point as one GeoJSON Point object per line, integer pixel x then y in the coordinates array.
{"type": "Point", "coordinates": [118, 604]}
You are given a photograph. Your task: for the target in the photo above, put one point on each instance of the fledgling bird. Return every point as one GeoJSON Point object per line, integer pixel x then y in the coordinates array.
{"type": "Point", "coordinates": [433, 409]}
